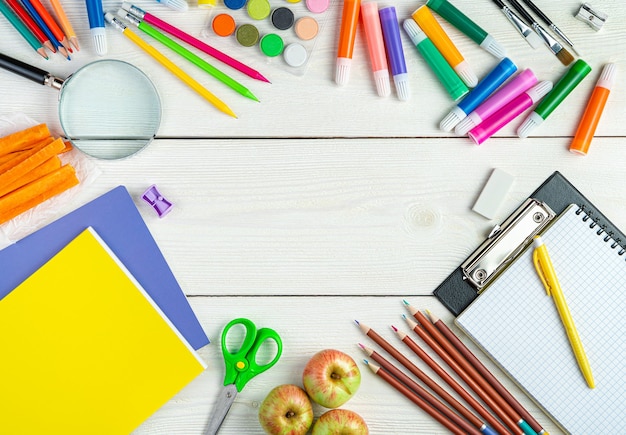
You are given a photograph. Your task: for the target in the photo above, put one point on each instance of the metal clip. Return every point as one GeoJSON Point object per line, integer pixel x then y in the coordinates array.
{"type": "Point", "coordinates": [595, 19]}
{"type": "Point", "coordinates": [506, 242]}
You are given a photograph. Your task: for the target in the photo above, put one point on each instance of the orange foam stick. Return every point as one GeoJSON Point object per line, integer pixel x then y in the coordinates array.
{"type": "Point", "coordinates": [29, 160]}
{"type": "Point", "coordinates": [46, 167]}
{"type": "Point", "coordinates": [23, 139]}
{"type": "Point", "coordinates": [5, 158]}
{"type": "Point", "coordinates": [36, 192]}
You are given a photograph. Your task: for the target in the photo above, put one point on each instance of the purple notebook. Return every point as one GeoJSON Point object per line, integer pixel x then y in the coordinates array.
{"type": "Point", "coordinates": [116, 219]}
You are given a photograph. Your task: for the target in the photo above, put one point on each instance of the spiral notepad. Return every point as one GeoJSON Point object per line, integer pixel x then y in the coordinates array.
{"type": "Point", "coordinates": [517, 324]}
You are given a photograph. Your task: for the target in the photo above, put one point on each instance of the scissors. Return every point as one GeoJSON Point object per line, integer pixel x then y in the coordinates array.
{"type": "Point", "coordinates": [241, 366]}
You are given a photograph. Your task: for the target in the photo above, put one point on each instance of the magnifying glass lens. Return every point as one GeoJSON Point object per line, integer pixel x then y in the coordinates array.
{"type": "Point", "coordinates": [109, 109]}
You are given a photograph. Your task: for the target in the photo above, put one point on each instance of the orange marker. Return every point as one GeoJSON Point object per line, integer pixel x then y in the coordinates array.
{"type": "Point", "coordinates": [593, 112]}
{"type": "Point", "coordinates": [431, 27]}
{"type": "Point", "coordinates": [347, 35]}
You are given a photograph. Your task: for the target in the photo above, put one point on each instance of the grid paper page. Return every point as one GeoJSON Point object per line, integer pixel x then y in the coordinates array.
{"type": "Point", "coordinates": [518, 325]}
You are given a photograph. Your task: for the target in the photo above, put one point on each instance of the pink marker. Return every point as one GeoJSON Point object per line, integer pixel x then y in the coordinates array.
{"type": "Point", "coordinates": [508, 112]}
{"type": "Point", "coordinates": [516, 86]}
{"type": "Point", "coordinates": [376, 47]}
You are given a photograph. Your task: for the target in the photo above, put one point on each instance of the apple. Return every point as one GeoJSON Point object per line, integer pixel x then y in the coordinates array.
{"type": "Point", "coordinates": [331, 377]}
{"type": "Point", "coordinates": [286, 411]}
{"type": "Point", "coordinates": [340, 422]}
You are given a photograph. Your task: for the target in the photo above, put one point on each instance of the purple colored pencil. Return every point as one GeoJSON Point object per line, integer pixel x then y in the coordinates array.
{"type": "Point", "coordinates": [174, 31]}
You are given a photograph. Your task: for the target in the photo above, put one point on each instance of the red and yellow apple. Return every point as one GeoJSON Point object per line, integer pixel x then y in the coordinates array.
{"type": "Point", "coordinates": [286, 411]}
{"type": "Point", "coordinates": [331, 377]}
{"type": "Point", "coordinates": [340, 422]}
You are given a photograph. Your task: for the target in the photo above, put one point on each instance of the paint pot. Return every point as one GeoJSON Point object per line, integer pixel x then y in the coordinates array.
{"type": "Point", "coordinates": [317, 6]}
{"type": "Point", "coordinates": [306, 28]}
{"type": "Point", "coordinates": [223, 25]}
{"type": "Point", "coordinates": [295, 55]}
{"type": "Point", "coordinates": [258, 9]}
{"type": "Point", "coordinates": [282, 18]}
{"type": "Point", "coordinates": [272, 45]}
{"type": "Point", "coordinates": [247, 35]}
{"type": "Point", "coordinates": [234, 4]}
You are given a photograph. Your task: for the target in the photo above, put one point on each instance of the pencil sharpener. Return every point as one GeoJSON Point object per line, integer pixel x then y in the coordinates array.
{"type": "Point", "coordinates": [153, 197]}
{"type": "Point", "coordinates": [594, 18]}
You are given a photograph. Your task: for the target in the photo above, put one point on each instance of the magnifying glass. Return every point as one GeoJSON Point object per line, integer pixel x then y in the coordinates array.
{"type": "Point", "coordinates": [108, 109]}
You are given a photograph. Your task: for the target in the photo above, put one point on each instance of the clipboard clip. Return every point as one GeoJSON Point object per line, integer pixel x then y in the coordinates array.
{"type": "Point", "coordinates": [505, 242]}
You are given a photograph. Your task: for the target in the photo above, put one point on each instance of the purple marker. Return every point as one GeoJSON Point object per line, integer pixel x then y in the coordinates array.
{"type": "Point", "coordinates": [508, 112]}
{"type": "Point", "coordinates": [395, 53]}
{"type": "Point", "coordinates": [516, 86]}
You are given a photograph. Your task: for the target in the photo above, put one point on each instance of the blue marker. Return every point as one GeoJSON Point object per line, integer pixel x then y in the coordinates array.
{"type": "Point", "coordinates": [95, 13]}
{"type": "Point", "coordinates": [395, 53]}
{"type": "Point", "coordinates": [483, 89]}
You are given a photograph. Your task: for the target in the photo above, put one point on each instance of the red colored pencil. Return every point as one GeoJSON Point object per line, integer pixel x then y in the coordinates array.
{"type": "Point", "coordinates": [30, 23]}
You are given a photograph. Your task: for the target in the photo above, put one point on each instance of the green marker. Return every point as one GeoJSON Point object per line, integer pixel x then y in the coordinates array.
{"type": "Point", "coordinates": [577, 72]}
{"type": "Point", "coordinates": [435, 60]}
{"type": "Point", "coordinates": [191, 57]}
{"type": "Point", "coordinates": [468, 27]}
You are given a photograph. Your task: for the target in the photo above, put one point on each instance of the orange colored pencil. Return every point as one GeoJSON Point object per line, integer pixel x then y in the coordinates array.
{"type": "Point", "coordinates": [496, 404]}
{"type": "Point", "coordinates": [484, 371]}
{"type": "Point", "coordinates": [414, 398]}
{"type": "Point", "coordinates": [51, 23]}
{"type": "Point", "coordinates": [65, 23]}
{"type": "Point", "coordinates": [475, 404]}
{"type": "Point", "coordinates": [424, 394]}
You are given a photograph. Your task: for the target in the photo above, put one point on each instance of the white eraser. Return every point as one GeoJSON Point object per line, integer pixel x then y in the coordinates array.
{"type": "Point", "coordinates": [493, 193]}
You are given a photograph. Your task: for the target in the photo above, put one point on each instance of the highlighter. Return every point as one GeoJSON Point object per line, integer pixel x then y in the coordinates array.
{"type": "Point", "coordinates": [395, 52]}
{"type": "Point", "coordinates": [427, 22]}
{"type": "Point", "coordinates": [347, 35]}
{"type": "Point", "coordinates": [522, 82]}
{"type": "Point", "coordinates": [466, 26]}
{"type": "Point", "coordinates": [442, 69]}
{"type": "Point", "coordinates": [376, 47]}
{"type": "Point", "coordinates": [480, 93]}
{"type": "Point", "coordinates": [566, 84]}
{"type": "Point", "coordinates": [593, 111]}
{"type": "Point", "coordinates": [508, 112]}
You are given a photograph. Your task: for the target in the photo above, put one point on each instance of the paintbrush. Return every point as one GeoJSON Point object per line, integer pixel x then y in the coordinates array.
{"type": "Point", "coordinates": [564, 56]}
{"type": "Point", "coordinates": [550, 24]}
{"type": "Point", "coordinates": [527, 33]}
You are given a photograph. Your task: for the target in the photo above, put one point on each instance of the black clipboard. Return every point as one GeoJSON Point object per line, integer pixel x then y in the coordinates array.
{"type": "Point", "coordinates": [507, 240]}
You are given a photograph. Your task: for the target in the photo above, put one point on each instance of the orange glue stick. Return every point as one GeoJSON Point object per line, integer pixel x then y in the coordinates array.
{"type": "Point", "coordinates": [347, 35]}
{"type": "Point", "coordinates": [431, 27]}
{"type": "Point", "coordinates": [593, 111]}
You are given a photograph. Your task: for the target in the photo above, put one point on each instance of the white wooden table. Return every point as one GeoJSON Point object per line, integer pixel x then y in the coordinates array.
{"type": "Point", "coordinates": [322, 204]}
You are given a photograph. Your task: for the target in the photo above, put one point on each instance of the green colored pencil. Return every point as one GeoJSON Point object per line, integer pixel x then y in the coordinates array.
{"type": "Point", "coordinates": [22, 29]}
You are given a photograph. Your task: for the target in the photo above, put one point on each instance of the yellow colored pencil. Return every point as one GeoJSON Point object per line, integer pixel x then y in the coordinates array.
{"type": "Point", "coordinates": [65, 23]}
{"type": "Point", "coordinates": [174, 69]}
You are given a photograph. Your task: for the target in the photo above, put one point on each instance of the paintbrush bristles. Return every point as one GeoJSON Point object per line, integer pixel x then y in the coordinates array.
{"type": "Point", "coordinates": [565, 57]}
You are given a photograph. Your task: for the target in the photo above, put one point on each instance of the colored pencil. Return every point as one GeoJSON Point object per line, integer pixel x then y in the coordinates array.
{"type": "Point", "coordinates": [414, 398]}
{"type": "Point", "coordinates": [489, 377]}
{"type": "Point", "coordinates": [22, 30]}
{"type": "Point", "coordinates": [424, 394]}
{"type": "Point", "coordinates": [30, 23]}
{"type": "Point", "coordinates": [475, 404]}
{"type": "Point", "coordinates": [42, 25]}
{"type": "Point", "coordinates": [51, 23]}
{"type": "Point", "coordinates": [194, 42]}
{"type": "Point", "coordinates": [168, 64]}
{"type": "Point", "coordinates": [65, 23]}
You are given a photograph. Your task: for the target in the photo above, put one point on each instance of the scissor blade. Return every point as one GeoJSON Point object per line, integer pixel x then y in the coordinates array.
{"type": "Point", "coordinates": [222, 406]}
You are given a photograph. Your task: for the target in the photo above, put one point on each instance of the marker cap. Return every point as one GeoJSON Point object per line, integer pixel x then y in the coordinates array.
{"type": "Point", "coordinates": [342, 71]}
{"type": "Point", "coordinates": [453, 118]}
{"type": "Point", "coordinates": [402, 86]}
{"type": "Point", "coordinates": [383, 85]}
{"type": "Point", "coordinates": [492, 46]}
{"type": "Point", "coordinates": [98, 35]}
{"type": "Point", "coordinates": [471, 121]}
{"type": "Point", "coordinates": [530, 123]}
{"type": "Point", "coordinates": [466, 73]}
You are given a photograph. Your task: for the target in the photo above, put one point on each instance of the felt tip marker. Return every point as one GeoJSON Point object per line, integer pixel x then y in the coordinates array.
{"type": "Point", "coordinates": [429, 24]}
{"type": "Point", "coordinates": [508, 112]}
{"type": "Point", "coordinates": [465, 25]}
{"type": "Point", "coordinates": [520, 83]}
{"type": "Point", "coordinates": [395, 52]}
{"type": "Point", "coordinates": [442, 69]}
{"type": "Point", "coordinates": [347, 35]}
{"type": "Point", "coordinates": [480, 93]}
{"type": "Point", "coordinates": [95, 14]}
{"type": "Point", "coordinates": [566, 84]}
{"type": "Point", "coordinates": [593, 112]}
{"type": "Point", "coordinates": [376, 47]}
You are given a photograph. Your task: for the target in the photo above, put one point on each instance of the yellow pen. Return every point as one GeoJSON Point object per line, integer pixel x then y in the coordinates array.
{"type": "Point", "coordinates": [546, 273]}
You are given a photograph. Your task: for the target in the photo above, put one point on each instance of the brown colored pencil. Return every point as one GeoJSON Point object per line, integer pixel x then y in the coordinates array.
{"type": "Point", "coordinates": [480, 367]}
{"type": "Point", "coordinates": [414, 398]}
{"type": "Point", "coordinates": [475, 404]}
{"type": "Point", "coordinates": [445, 354]}
{"type": "Point", "coordinates": [424, 394]}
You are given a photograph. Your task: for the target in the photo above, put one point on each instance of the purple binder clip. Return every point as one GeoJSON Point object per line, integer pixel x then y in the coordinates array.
{"type": "Point", "coordinates": [153, 197]}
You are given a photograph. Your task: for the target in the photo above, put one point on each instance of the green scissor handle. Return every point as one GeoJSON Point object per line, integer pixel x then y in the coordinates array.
{"type": "Point", "coordinates": [241, 366]}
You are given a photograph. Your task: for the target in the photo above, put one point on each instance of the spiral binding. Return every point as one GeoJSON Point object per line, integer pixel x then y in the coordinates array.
{"type": "Point", "coordinates": [595, 221]}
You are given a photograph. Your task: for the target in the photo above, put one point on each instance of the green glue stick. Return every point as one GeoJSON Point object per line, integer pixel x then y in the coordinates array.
{"type": "Point", "coordinates": [465, 25]}
{"type": "Point", "coordinates": [574, 75]}
{"type": "Point", "coordinates": [435, 60]}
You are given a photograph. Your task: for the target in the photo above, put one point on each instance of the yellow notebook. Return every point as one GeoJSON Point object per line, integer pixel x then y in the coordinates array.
{"type": "Point", "coordinates": [84, 348]}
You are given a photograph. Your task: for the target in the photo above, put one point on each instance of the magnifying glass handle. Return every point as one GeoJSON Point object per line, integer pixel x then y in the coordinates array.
{"type": "Point", "coordinates": [30, 72]}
